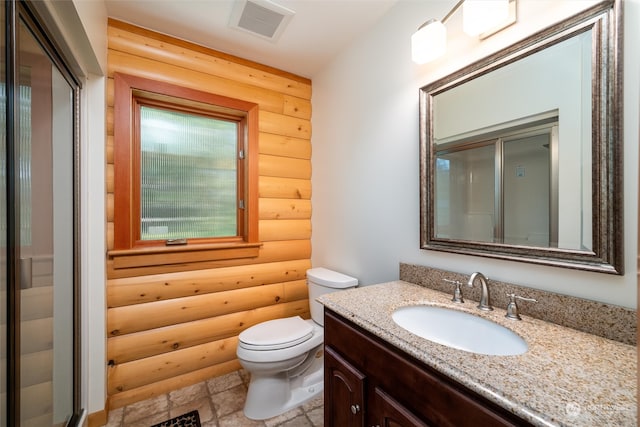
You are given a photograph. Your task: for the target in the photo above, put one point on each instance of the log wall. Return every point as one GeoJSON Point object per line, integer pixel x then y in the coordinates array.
{"type": "Point", "coordinates": [174, 325]}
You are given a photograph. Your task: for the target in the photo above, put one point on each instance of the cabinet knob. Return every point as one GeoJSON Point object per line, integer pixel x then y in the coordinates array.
{"type": "Point", "coordinates": [355, 409]}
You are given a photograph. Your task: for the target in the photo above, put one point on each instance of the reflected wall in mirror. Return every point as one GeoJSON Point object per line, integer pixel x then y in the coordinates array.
{"type": "Point", "coordinates": [521, 152]}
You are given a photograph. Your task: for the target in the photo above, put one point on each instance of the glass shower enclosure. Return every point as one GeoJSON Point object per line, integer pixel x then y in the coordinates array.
{"type": "Point", "coordinates": [38, 227]}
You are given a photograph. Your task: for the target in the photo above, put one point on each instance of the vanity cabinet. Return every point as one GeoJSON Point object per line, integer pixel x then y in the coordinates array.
{"type": "Point", "coordinates": [345, 384]}
{"type": "Point", "coordinates": [369, 382]}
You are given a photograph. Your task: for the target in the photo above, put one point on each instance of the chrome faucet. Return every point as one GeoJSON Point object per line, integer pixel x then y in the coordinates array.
{"type": "Point", "coordinates": [512, 307]}
{"type": "Point", "coordinates": [484, 297]}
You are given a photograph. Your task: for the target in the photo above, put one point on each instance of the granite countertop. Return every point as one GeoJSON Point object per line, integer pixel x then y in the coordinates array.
{"type": "Point", "coordinates": [566, 378]}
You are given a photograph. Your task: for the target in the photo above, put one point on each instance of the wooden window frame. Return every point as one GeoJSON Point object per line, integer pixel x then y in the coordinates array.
{"type": "Point", "coordinates": [129, 93]}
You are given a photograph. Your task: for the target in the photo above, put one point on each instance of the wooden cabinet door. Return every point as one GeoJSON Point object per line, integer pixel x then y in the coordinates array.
{"type": "Point", "coordinates": [385, 411]}
{"type": "Point", "coordinates": [344, 392]}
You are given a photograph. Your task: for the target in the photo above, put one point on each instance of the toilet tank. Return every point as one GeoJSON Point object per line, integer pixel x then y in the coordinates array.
{"type": "Point", "coordinates": [323, 281]}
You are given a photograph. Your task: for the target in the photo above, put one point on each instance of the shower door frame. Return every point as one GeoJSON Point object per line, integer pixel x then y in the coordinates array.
{"type": "Point", "coordinates": [15, 11]}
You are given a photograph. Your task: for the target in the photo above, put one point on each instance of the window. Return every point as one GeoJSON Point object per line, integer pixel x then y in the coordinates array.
{"type": "Point", "coordinates": [185, 165]}
{"type": "Point", "coordinates": [189, 173]}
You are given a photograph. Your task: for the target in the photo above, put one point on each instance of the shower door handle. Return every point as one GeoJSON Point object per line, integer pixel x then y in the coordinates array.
{"type": "Point", "coordinates": [26, 273]}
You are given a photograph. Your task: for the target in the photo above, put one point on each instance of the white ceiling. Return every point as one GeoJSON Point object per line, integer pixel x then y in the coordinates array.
{"type": "Point", "coordinates": [318, 31]}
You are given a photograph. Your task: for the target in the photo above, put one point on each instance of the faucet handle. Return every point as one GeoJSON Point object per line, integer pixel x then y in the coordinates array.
{"type": "Point", "coordinates": [512, 307]}
{"type": "Point", "coordinates": [457, 293]}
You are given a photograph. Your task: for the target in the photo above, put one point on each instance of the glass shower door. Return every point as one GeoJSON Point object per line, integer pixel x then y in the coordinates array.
{"type": "Point", "coordinates": [45, 138]}
{"type": "Point", "coordinates": [4, 354]}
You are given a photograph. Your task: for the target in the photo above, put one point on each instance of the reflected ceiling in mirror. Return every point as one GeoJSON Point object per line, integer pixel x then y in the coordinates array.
{"type": "Point", "coordinates": [521, 152]}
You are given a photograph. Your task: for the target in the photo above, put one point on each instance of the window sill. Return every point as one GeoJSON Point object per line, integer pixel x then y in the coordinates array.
{"type": "Point", "coordinates": [169, 255]}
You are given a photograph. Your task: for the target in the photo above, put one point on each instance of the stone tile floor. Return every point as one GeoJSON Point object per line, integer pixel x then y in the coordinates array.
{"type": "Point", "coordinates": [219, 402]}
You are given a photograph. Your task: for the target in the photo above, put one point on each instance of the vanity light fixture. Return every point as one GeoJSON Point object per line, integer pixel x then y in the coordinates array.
{"type": "Point", "coordinates": [429, 42]}
{"type": "Point", "coordinates": [479, 18]}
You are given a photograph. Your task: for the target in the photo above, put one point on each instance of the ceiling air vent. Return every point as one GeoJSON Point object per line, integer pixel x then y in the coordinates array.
{"type": "Point", "coordinates": [261, 18]}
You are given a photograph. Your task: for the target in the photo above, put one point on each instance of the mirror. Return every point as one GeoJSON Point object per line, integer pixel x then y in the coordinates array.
{"type": "Point", "coordinates": [521, 152]}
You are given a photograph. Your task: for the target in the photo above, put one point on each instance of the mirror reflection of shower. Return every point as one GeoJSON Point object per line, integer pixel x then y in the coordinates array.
{"type": "Point", "coordinates": [500, 186]}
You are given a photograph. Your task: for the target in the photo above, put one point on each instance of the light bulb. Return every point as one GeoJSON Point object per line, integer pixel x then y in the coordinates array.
{"type": "Point", "coordinates": [429, 42]}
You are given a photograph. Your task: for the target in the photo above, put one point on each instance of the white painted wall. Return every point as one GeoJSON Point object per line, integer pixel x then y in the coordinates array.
{"type": "Point", "coordinates": [365, 152]}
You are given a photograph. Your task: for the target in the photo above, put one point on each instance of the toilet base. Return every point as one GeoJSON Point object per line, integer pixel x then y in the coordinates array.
{"type": "Point", "coordinates": [273, 395]}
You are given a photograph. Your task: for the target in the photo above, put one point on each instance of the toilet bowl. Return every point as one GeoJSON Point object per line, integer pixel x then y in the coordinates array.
{"type": "Point", "coordinates": [285, 356]}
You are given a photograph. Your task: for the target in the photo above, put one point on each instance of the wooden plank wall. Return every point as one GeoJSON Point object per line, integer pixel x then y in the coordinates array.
{"type": "Point", "coordinates": [172, 326]}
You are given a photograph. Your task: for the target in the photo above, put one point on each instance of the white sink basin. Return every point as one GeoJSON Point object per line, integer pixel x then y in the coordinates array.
{"type": "Point", "coordinates": [460, 330]}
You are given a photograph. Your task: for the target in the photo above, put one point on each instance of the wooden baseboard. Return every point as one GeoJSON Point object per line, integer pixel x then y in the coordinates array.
{"type": "Point", "coordinates": [100, 418]}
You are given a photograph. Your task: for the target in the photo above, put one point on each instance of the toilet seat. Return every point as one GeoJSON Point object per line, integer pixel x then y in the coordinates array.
{"type": "Point", "coordinates": [293, 346]}
{"type": "Point", "coordinates": [276, 334]}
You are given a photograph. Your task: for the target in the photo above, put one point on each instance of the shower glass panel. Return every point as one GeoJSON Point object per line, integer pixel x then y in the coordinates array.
{"type": "Point", "coordinates": [465, 193]}
{"type": "Point", "coordinates": [500, 187]}
{"type": "Point", "coordinates": [526, 185]}
{"type": "Point", "coordinates": [46, 227]}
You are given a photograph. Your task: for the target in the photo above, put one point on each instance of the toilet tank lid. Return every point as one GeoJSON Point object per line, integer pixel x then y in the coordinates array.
{"type": "Point", "coordinates": [330, 278]}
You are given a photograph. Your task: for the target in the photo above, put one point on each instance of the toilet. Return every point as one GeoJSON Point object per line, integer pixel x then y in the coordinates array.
{"type": "Point", "coordinates": [285, 356]}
